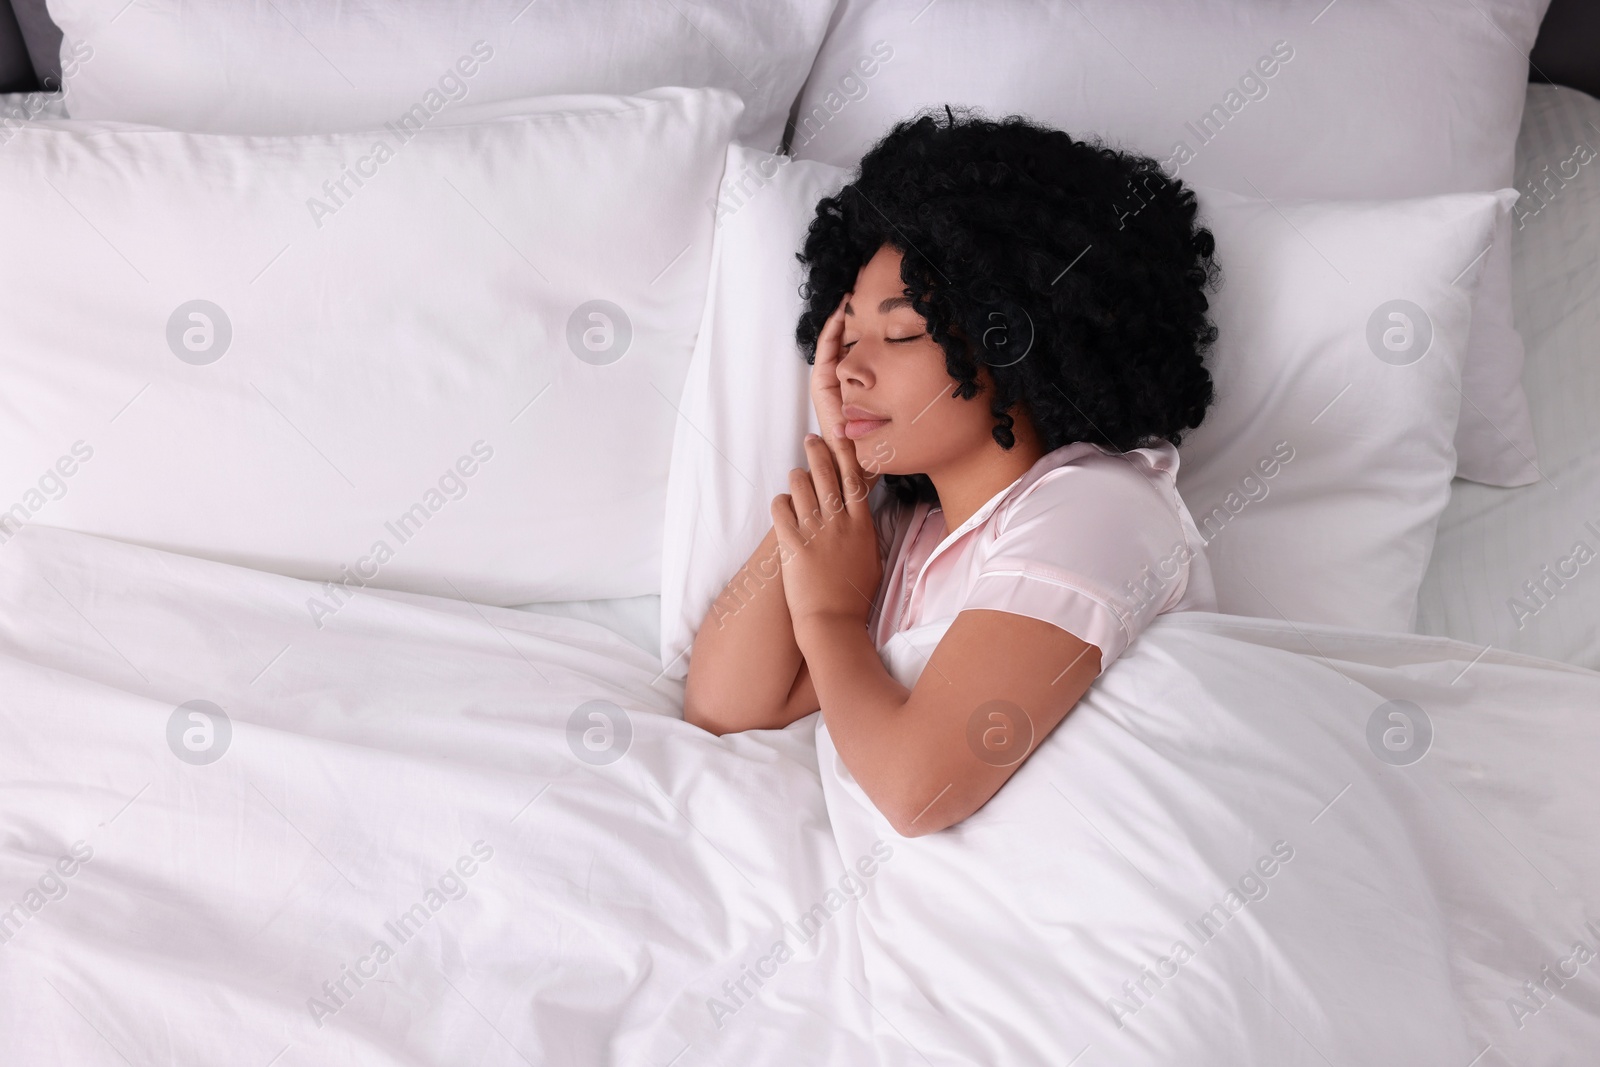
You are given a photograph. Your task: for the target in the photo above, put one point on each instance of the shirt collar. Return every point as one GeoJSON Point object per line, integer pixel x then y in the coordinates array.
{"type": "Point", "coordinates": [1042, 466]}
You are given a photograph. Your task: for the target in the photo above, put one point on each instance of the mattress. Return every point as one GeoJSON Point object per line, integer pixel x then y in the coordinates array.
{"type": "Point", "coordinates": [1520, 568]}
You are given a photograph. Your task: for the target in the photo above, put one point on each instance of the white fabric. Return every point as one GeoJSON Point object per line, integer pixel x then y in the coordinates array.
{"type": "Point", "coordinates": [588, 912]}
{"type": "Point", "coordinates": [637, 618]}
{"type": "Point", "coordinates": [19, 108]}
{"type": "Point", "coordinates": [1316, 367]}
{"type": "Point", "coordinates": [1316, 478]}
{"type": "Point", "coordinates": [745, 404]}
{"type": "Point", "coordinates": [1493, 542]}
{"type": "Point", "coordinates": [458, 377]}
{"type": "Point", "coordinates": [1360, 98]}
{"type": "Point", "coordinates": [308, 66]}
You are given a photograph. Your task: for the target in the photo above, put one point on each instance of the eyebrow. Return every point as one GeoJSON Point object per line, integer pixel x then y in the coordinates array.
{"type": "Point", "coordinates": [885, 307]}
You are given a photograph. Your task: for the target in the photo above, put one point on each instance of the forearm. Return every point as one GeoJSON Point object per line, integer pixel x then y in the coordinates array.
{"type": "Point", "coordinates": [745, 658]}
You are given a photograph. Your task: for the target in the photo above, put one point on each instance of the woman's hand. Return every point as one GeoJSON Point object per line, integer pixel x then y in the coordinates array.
{"type": "Point", "coordinates": [827, 542]}
{"type": "Point", "coordinates": [825, 392]}
{"type": "Point", "coordinates": [826, 395]}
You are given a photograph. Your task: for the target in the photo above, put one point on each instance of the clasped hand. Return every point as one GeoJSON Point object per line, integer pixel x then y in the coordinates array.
{"type": "Point", "coordinates": [827, 541]}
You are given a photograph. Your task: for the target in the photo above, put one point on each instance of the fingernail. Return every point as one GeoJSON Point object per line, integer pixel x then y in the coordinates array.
{"type": "Point", "coordinates": [812, 437]}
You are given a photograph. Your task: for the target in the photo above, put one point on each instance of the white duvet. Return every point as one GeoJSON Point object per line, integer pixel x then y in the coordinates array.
{"type": "Point", "coordinates": [436, 833]}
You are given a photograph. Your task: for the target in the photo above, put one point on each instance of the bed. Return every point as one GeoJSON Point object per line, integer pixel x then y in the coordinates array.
{"type": "Point", "coordinates": [270, 795]}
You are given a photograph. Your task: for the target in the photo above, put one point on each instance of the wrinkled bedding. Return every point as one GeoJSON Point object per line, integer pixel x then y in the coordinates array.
{"type": "Point", "coordinates": [432, 832]}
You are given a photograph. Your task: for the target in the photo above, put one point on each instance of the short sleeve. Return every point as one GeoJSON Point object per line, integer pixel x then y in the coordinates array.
{"type": "Point", "coordinates": [1096, 549]}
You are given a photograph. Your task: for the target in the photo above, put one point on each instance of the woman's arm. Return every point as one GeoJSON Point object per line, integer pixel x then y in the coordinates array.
{"type": "Point", "coordinates": [996, 685]}
{"type": "Point", "coordinates": [746, 671]}
{"type": "Point", "coordinates": [928, 757]}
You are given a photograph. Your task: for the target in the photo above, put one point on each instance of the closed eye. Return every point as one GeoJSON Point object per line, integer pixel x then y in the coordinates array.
{"type": "Point", "coordinates": [892, 340]}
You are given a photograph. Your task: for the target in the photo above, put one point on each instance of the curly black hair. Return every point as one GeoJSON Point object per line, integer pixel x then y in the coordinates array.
{"type": "Point", "coordinates": [1085, 259]}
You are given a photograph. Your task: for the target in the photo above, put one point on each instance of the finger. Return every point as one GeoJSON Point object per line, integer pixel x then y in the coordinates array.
{"type": "Point", "coordinates": [829, 404]}
{"type": "Point", "coordinates": [804, 495]}
{"type": "Point", "coordinates": [824, 474]}
{"type": "Point", "coordinates": [839, 311]}
{"type": "Point", "coordinates": [824, 370]}
{"type": "Point", "coordinates": [784, 523]}
{"type": "Point", "coordinates": [832, 329]}
{"type": "Point", "coordinates": [853, 484]}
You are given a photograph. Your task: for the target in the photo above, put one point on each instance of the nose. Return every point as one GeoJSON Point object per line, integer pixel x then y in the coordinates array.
{"type": "Point", "coordinates": [853, 366]}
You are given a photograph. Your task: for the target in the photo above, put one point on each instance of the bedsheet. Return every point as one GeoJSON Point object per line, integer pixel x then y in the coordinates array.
{"type": "Point", "coordinates": [432, 832]}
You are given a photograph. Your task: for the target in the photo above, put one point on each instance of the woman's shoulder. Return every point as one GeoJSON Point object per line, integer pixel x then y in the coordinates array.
{"type": "Point", "coordinates": [1114, 519]}
{"type": "Point", "coordinates": [1093, 484]}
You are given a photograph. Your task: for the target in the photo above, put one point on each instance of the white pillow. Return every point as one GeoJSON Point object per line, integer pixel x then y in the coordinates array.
{"type": "Point", "coordinates": [1359, 99]}
{"type": "Point", "coordinates": [210, 348]}
{"type": "Point", "coordinates": [1318, 476]}
{"type": "Point", "coordinates": [1358, 448]}
{"type": "Point", "coordinates": [292, 66]}
{"type": "Point", "coordinates": [746, 402]}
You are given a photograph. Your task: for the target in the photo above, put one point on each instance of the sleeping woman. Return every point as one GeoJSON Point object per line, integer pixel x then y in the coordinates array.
{"type": "Point", "coordinates": [1006, 328]}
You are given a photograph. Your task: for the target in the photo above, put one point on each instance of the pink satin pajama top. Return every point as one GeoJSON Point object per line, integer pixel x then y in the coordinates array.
{"type": "Point", "coordinates": [1091, 540]}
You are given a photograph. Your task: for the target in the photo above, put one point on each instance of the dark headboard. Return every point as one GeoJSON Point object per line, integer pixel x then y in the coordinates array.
{"type": "Point", "coordinates": [1568, 49]}
{"type": "Point", "coordinates": [1566, 53]}
{"type": "Point", "coordinates": [42, 39]}
{"type": "Point", "coordinates": [16, 72]}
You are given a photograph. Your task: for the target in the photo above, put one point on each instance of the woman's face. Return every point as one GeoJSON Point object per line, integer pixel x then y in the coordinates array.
{"type": "Point", "coordinates": [899, 402]}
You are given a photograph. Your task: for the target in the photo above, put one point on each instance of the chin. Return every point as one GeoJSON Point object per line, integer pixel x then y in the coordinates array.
{"type": "Point", "coordinates": [877, 452]}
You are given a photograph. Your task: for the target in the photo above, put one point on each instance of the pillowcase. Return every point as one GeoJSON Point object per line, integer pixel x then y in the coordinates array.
{"type": "Point", "coordinates": [1521, 570]}
{"type": "Point", "coordinates": [312, 66]}
{"type": "Point", "coordinates": [746, 401]}
{"type": "Point", "coordinates": [1360, 99]}
{"type": "Point", "coordinates": [442, 360]}
{"type": "Point", "coordinates": [1316, 478]}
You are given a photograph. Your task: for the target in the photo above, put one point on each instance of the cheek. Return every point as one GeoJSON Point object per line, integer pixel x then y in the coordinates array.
{"type": "Point", "coordinates": [913, 386]}
{"type": "Point", "coordinates": [918, 380]}
{"type": "Point", "coordinates": [934, 424]}
{"type": "Point", "coordinates": [956, 425]}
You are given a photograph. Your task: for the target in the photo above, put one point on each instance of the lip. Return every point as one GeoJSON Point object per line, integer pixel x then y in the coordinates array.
{"type": "Point", "coordinates": [857, 428]}
{"type": "Point", "coordinates": [859, 421]}
{"type": "Point", "coordinates": [858, 413]}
